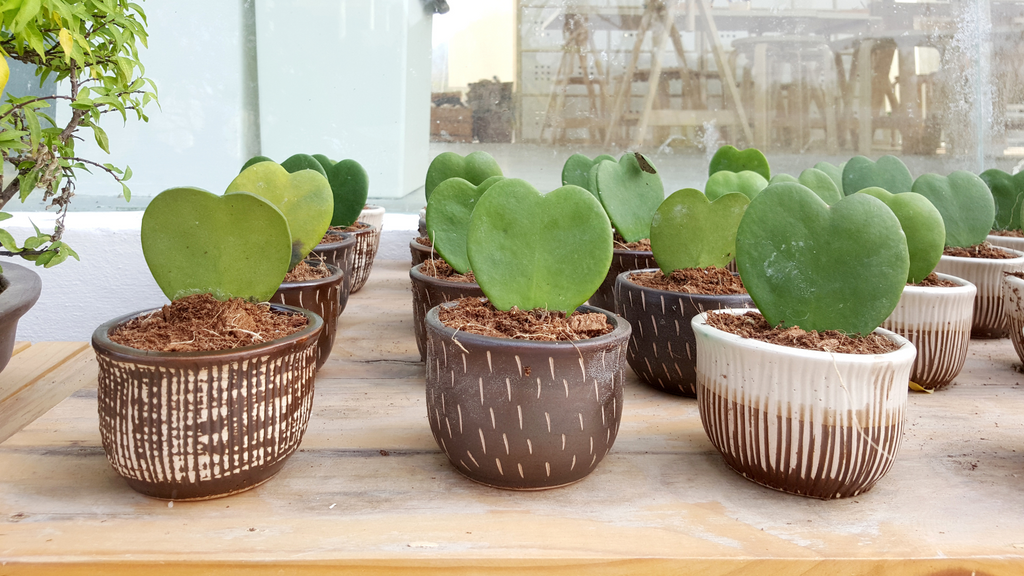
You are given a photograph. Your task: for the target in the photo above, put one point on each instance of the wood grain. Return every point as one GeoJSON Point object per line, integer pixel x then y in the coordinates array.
{"type": "Point", "coordinates": [37, 378]}
{"type": "Point", "coordinates": [662, 502]}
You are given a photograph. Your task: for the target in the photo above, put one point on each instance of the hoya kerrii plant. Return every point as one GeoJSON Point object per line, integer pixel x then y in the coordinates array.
{"type": "Point", "coordinates": [449, 212]}
{"type": "Point", "coordinates": [1008, 194]}
{"type": "Point", "coordinates": [91, 49]}
{"type": "Point", "coordinates": [690, 230]}
{"type": "Point", "coordinates": [818, 181]}
{"type": "Point", "coordinates": [630, 191]}
{"type": "Point", "coordinates": [922, 225]}
{"type": "Point", "coordinates": [746, 182]}
{"type": "Point", "coordinates": [474, 167]}
{"type": "Point", "coordinates": [965, 203]}
{"type": "Point", "coordinates": [888, 173]}
{"type": "Point", "coordinates": [576, 170]}
{"type": "Point", "coordinates": [731, 159]}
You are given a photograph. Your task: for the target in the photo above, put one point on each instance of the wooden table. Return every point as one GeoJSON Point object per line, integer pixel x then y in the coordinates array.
{"type": "Point", "coordinates": [370, 493]}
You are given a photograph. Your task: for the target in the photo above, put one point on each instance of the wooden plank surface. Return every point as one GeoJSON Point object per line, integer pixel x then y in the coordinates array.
{"type": "Point", "coordinates": [37, 378]}
{"type": "Point", "coordinates": [370, 493]}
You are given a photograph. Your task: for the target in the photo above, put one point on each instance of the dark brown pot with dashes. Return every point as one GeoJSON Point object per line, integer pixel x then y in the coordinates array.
{"type": "Point", "coordinates": [420, 253]}
{"type": "Point", "coordinates": [339, 252]}
{"type": "Point", "coordinates": [428, 292]}
{"type": "Point", "coordinates": [321, 296]}
{"type": "Point", "coordinates": [200, 425]}
{"type": "Point", "coordinates": [662, 347]}
{"type": "Point", "coordinates": [622, 261]}
{"type": "Point", "coordinates": [520, 414]}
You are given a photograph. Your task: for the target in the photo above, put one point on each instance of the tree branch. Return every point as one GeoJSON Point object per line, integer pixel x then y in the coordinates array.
{"type": "Point", "coordinates": [27, 102]}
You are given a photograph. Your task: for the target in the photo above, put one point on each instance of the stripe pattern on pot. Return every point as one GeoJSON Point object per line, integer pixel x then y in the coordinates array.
{"type": "Point", "coordinates": [365, 251]}
{"type": "Point", "coordinates": [1013, 298]}
{"type": "Point", "coordinates": [622, 261]}
{"type": "Point", "coordinates": [987, 276]}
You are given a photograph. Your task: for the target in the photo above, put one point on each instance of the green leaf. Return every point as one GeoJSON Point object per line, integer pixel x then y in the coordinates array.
{"type": "Point", "coordinates": [35, 132]}
{"type": "Point", "coordinates": [691, 231]}
{"type": "Point", "coordinates": [629, 195]}
{"type": "Point", "coordinates": [965, 202]}
{"type": "Point", "coordinates": [475, 167]}
{"type": "Point", "coordinates": [126, 192]}
{"type": "Point", "coordinates": [889, 173]}
{"type": "Point", "coordinates": [28, 184]}
{"type": "Point", "coordinates": [101, 138]}
{"type": "Point", "coordinates": [734, 160]}
{"type": "Point", "coordinates": [922, 225]}
{"type": "Point", "coordinates": [576, 170]}
{"type": "Point", "coordinates": [28, 12]}
{"type": "Point", "coordinates": [449, 212]}
{"type": "Point", "coordinates": [8, 242]}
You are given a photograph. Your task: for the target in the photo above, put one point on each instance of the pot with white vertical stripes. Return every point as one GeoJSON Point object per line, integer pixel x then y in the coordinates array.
{"type": "Point", "coordinates": [986, 274]}
{"type": "Point", "coordinates": [520, 414]}
{"type": "Point", "coordinates": [338, 249]}
{"type": "Point", "coordinates": [819, 424]}
{"type": "Point", "coordinates": [1013, 302]}
{"type": "Point", "coordinates": [322, 296]}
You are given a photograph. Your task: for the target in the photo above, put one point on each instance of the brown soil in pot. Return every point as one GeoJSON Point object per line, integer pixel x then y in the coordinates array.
{"type": "Point", "coordinates": [1008, 233]}
{"type": "Point", "coordinates": [933, 281]}
{"type": "Point", "coordinates": [642, 245]}
{"type": "Point", "coordinates": [710, 280]}
{"type": "Point", "coordinates": [304, 272]}
{"type": "Point", "coordinates": [753, 325]}
{"type": "Point", "coordinates": [353, 228]}
{"type": "Point", "coordinates": [438, 268]}
{"type": "Point", "coordinates": [201, 322]}
{"type": "Point", "coordinates": [983, 250]}
{"type": "Point", "coordinates": [424, 241]}
{"type": "Point", "coordinates": [478, 316]}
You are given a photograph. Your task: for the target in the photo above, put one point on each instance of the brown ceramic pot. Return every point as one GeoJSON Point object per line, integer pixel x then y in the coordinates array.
{"type": "Point", "coordinates": [622, 261]}
{"type": "Point", "coordinates": [367, 241]}
{"type": "Point", "coordinates": [662, 350]}
{"type": "Point", "coordinates": [1013, 302]}
{"type": "Point", "coordinates": [19, 289]}
{"type": "Point", "coordinates": [987, 275]}
{"type": "Point", "coordinates": [524, 415]}
{"type": "Point", "coordinates": [420, 253]}
{"type": "Point", "coordinates": [339, 253]}
{"type": "Point", "coordinates": [199, 425]}
{"type": "Point", "coordinates": [322, 297]}
{"type": "Point", "coordinates": [428, 292]}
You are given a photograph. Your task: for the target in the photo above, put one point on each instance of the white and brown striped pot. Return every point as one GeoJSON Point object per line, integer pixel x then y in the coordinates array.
{"type": "Point", "coordinates": [322, 297]}
{"type": "Point", "coordinates": [367, 241]}
{"type": "Point", "coordinates": [937, 321]}
{"type": "Point", "coordinates": [661, 350]}
{"type": "Point", "coordinates": [987, 275]}
{"type": "Point", "coordinates": [340, 253]}
{"type": "Point", "coordinates": [428, 292]}
{"type": "Point", "coordinates": [524, 415]}
{"type": "Point", "coordinates": [805, 422]}
{"type": "Point", "coordinates": [420, 253]}
{"type": "Point", "coordinates": [1011, 242]}
{"type": "Point", "coordinates": [622, 261]}
{"type": "Point", "coordinates": [372, 215]}
{"type": "Point", "coordinates": [1013, 299]}
{"type": "Point", "coordinates": [199, 425]}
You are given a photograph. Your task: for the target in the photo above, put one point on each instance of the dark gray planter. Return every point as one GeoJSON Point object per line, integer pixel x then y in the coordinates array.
{"type": "Point", "coordinates": [19, 289]}
{"type": "Point", "coordinates": [622, 260]}
{"type": "Point", "coordinates": [340, 254]}
{"type": "Point", "coordinates": [322, 297]}
{"type": "Point", "coordinates": [428, 292]}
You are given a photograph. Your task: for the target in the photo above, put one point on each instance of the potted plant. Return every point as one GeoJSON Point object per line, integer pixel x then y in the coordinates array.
{"type": "Point", "coordinates": [445, 274]}
{"type": "Point", "coordinates": [517, 413]}
{"type": "Point", "coordinates": [306, 200]}
{"type": "Point", "coordinates": [91, 48]}
{"type": "Point", "coordinates": [1008, 194]}
{"type": "Point", "coordinates": [968, 212]}
{"type": "Point", "coordinates": [188, 418]}
{"type": "Point", "coordinates": [692, 239]}
{"type": "Point", "coordinates": [888, 173]}
{"type": "Point", "coordinates": [935, 311]}
{"type": "Point", "coordinates": [630, 191]}
{"type": "Point", "coordinates": [819, 422]}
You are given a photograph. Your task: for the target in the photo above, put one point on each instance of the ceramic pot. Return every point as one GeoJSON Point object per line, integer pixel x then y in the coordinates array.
{"type": "Point", "coordinates": [322, 297]}
{"type": "Point", "coordinates": [987, 276]}
{"type": "Point", "coordinates": [421, 224]}
{"type": "Point", "coordinates": [420, 253]}
{"type": "Point", "coordinates": [662, 351]}
{"type": "Point", "coordinates": [524, 415]}
{"type": "Point", "coordinates": [372, 215]}
{"type": "Point", "coordinates": [339, 253]}
{"type": "Point", "coordinates": [622, 261]}
{"type": "Point", "coordinates": [800, 421]}
{"type": "Point", "coordinates": [1011, 242]}
{"type": "Point", "coordinates": [937, 321]}
{"type": "Point", "coordinates": [19, 289]}
{"type": "Point", "coordinates": [367, 241]}
{"type": "Point", "coordinates": [1013, 303]}
{"type": "Point", "coordinates": [199, 425]}
{"type": "Point", "coordinates": [428, 292]}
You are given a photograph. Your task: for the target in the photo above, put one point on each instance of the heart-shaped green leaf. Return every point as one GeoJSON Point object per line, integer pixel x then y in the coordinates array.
{"type": "Point", "coordinates": [539, 251]}
{"type": "Point", "coordinates": [297, 162]}
{"type": "Point", "coordinates": [629, 195]}
{"type": "Point", "coordinates": [350, 186]}
{"type": "Point", "coordinates": [255, 160]}
{"type": "Point", "coordinates": [922, 225]}
{"type": "Point", "coordinates": [747, 182]}
{"type": "Point", "coordinates": [448, 215]}
{"type": "Point", "coordinates": [691, 231]}
{"type": "Point", "coordinates": [576, 170]}
{"type": "Point", "coordinates": [834, 172]}
{"type": "Point", "coordinates": [474, 167]}
{"type": "Point", "coordinates": [324, 161]}
{"type": "Point", "coordinates": [889, 173]}
{"type": "Point", "coordinates": [805, 263]}
{"type": "Point", "coordinates": [304, 198]}
{"type": "Point", "coordinates": [194, 242]}
{"type": "Point", "coordinates": [731, 159]}
{"type": "Point", "coordinates": [819, 183]}
{"type": "Point", "coordinates": [1008, 193]}
{"type": "Point", "coordinates": [965, 203]}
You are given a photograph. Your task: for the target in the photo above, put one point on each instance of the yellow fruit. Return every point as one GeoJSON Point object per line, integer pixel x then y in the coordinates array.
{"type": "Point", "coordinates": [5, 73]}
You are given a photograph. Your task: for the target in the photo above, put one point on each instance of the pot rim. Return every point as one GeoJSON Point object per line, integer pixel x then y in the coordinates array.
{"type": "Point", "coordinates": [417, 246]}
{"type": "Point", "coordinates": [906, 349]}
{"type": "Point", "coordinates": [102, 341]}
{"type": "Point", "coordinates": [621, 331]}
{"type": "Point", "coordinates": [346, 239]}
{"type": "Point", "coordinates": [418, 276]}
{"type": "Point", "coordinates": [638, 253]}
{"type": "Point", "coordinates": [1019, 258]}
{"type": "Point", "coordinates": [335, 272]}
{"type": "Point", "coordinates": [372, 208]}
{"type": "Point", "coordinates": [962, 286]}
{"type": "Point", "coordinates": [22, 290]}
{"type": "Point", "coordinates": [624, 277]}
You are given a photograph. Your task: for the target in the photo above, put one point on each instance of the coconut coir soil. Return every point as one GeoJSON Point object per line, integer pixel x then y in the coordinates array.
{"type": "Point", "coordinates": [711, 280]}
{"type": "Point", "coordinates": [753, 325]}
{"type": "Point", "coordinates": [356, 227]}
{"type": "Point", "coordinates": [201, 322]}
{"type": "Point", "coordinates": [933, 281]}
{"type": "Point", "coordinates": [983, 250]}
{"type": "Point", "coordinates": [438, 268]}
{"type": "Point", "coordinates": [642, 245]}
{"type": "Point", "coordinates": [478, 316]}
{"type": "Point", "coordinates": [1008, 233]}
{"type": "Point", "coordinates": [424, 241]}
{"type": "Point", "coordinates": [304, 271]}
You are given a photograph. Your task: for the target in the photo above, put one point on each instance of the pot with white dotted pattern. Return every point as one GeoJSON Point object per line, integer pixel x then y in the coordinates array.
{"type": "Point", "coordinates": [622, 260]}
{"type": "Point", "coordinates": [662, 348]}
{"type": "Point", "coordinates": [521, 414]}
{"type": "Point", "coordinates": [428, 292]}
